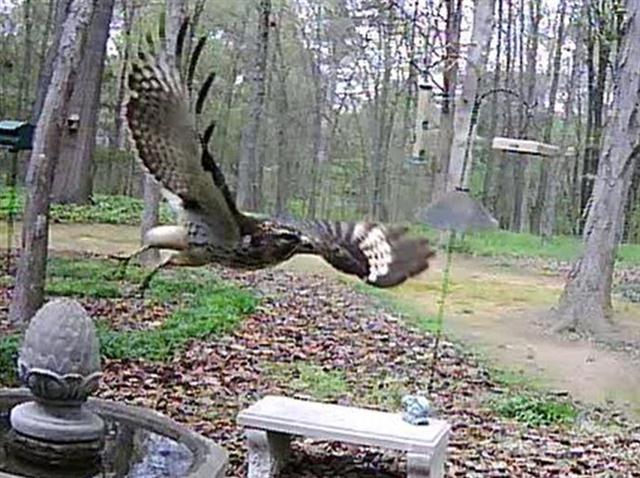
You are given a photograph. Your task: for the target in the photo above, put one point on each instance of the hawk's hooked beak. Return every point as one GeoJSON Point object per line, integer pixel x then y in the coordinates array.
{"type": "Point", "coordinates": [306, 244]}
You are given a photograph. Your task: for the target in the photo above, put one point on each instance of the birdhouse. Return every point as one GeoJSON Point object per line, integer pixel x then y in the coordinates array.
{"type": "Point", "coordinates": [16, 135]}
{"type": "Point", "coordinates": [73, 122]}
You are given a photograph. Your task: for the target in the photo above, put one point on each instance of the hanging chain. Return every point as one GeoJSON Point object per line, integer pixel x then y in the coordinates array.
{"type": "Point", "coordinates": [440, 315]}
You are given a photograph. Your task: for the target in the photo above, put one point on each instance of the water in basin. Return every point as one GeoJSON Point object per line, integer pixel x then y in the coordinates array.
{"type": "Point", "coordinates": [129, 452]}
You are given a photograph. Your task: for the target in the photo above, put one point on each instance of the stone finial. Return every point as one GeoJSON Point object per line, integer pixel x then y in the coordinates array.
{"type": "Point", "coordinates": [60, 363]}
{"type": "Point", "coordinates": [60, 355]}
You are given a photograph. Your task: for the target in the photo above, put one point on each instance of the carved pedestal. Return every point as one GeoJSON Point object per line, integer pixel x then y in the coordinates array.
{"type": "Point", "coordinates": [268, 452]}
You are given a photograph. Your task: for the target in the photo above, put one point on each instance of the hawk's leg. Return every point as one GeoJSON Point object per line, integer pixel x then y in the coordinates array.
{"type": "Point", "coordinates": [159, 237]}
{"type": "Point", "coordinates": [125, 260]}
{"type": "Point", "coordinates": [144, 285]}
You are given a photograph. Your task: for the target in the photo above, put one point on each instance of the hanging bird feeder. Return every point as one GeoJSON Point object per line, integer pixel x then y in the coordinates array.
{"type": "Point", "coordinates": [455, 212]}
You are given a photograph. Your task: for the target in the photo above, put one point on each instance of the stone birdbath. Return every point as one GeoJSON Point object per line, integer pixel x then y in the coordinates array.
{"type": "Point", "coordinates": [53, 429]}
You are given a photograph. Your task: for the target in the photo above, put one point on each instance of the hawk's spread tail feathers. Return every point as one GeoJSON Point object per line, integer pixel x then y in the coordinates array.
{"type": "Point", "coordinates": [383, 256]}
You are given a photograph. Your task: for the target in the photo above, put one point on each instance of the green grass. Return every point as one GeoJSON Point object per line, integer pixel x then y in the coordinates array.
{"type": "Point", "coordinates": [213, 310]}
{"type": "Point", "coordinates": [86, 278]}
{"type": "Point", "coordinates": [510, 244]}
{"type": "Point", "coordinates": [410, 312]}
{"type": "Point", "coordinates": [103, 209]}
{"type": "Point", "coordinates": [511, 379]}
{"type": "Point", "coordinates": [535, 409]}
{"type": "Point", "coordinates": [8, 356]}
{"type": "Point", "coordinates": [311, 379]}
{"type": "Point", "coordinates": [387, 394]}
{"type": "Point", "coordinates": [205, 307]}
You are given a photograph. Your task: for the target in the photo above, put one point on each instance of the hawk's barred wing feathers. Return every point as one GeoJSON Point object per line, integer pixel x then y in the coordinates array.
{"type": "Point", "coordinates": [162, 116]}
{"type": "Point", "coordinates": [381, 255]}
{"type": "Point", "coordinates": [163, 126]}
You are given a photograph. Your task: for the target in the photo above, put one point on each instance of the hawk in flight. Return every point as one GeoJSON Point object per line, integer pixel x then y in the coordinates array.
{"type": "Point", "coordinates": [162, 114]}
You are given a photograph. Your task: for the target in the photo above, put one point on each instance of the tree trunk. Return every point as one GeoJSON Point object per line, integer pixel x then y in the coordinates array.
{"type": "Point", "coordinates": [283, 175]}
{"type": "Point", "coordinates": [450, 79]}
{"type": "Point", "coordinates": [585, 304]}
{"type": "Point", "coordinates": [543, 219]}
{"type": "Point", "coordinates": [72, 181]}
{"type": "Point", "coordinates": [46, 67]}
{"type": "Point", "coordinates": [489, 183]}
{"type": "Point", "coordinates": [382, 124]}
{"type": "Point", "coordinates": [598, 51]}
{"type": "Point", "coordinates": [319, 132]}
{"type": "Point", "coordinates": [118, 137]}
{"type": "Point", "coordinates": [28, 294]}
{"type": "Point", "coordinates": [248, 189]}
{"type": "Point", "coordinates": [176, 13]}
{"type": "Point", "coordinates": [222, 127]}
{"type": "Point", "coordinates": [24, 88]}
{"type": "Point", "coordinates": [464, 132]}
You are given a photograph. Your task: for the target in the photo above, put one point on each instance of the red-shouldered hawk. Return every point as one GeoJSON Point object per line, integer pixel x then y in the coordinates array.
{"type": "Point", "coordinates": [162, 118]}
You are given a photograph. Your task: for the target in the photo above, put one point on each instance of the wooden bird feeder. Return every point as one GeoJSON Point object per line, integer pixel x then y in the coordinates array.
{"type": "Point", "coordinates": [427, 119]}
{"type": "Point", "coordinates": [525, 146]}
{"type": "Point", "coordinates": [16, 135]}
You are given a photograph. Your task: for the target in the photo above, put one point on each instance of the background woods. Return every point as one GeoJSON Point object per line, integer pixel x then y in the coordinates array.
{"type": "Point", "coordinates": [349, 108]}
{"type": "Point", "coordinates": [315, 102]}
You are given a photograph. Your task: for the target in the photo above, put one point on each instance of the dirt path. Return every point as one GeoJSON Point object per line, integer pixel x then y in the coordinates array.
{"type": "Point", "coordinates": [494, 308]}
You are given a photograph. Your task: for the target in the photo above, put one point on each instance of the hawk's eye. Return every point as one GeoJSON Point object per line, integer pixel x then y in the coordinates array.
{"type": "Point", "coordinates": [288, 237]}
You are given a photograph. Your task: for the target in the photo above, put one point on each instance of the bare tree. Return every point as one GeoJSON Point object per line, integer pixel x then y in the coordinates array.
{"type": "Point", "coordinates": [47, 63]}
{"type": "Point", "coordinates": [24, 86]}
{"type": "Point", "coordinates": [248, 189]}
{"type": "Point", "coordinates": [463, 124]}
{"type": "Point", "coordinates": [599, 46]}
{"type": "Point", "coordinates": [450, 80]}
{"type": "Point", "coordinates": [29, 289]}
{"type": "Point", "coordinates": [283, 179]}
{"type": "Point", "coordinates": [72, 181]}
{"type": "Point", "coordinates": [118, 135]}
{"type": "Point", "coordinates": [543, 219]}
{"type": "Point", "coordinates": [585, 304]}
{"type": "Point", "coordinates": [489, 183]}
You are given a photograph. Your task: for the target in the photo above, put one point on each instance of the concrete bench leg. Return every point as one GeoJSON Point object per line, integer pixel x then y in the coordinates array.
{"type": "Point", "coordinates": [268, 452]}
{"type": "Point", "coordinates": [427, 466]}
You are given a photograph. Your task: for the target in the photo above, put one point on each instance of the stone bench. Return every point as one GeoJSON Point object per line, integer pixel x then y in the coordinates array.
{"type": "Point", "coordinates": [271, 422]}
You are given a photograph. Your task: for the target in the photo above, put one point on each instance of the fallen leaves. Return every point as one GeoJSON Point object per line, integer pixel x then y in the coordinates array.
{"type": "Point", "coordinates": [371, 358]}
{"type": "Point", "coordinates": [326, 324]}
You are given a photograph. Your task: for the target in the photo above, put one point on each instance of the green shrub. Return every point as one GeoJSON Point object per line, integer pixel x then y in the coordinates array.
{"type": "Point", "coordinates": [103, 209]}
{"type": "Point", "coordinates": [535, 410]}
{"type": "Point", "coordinates": [8, 357]}
{"type": "Point", "coordinates": [106, 210]}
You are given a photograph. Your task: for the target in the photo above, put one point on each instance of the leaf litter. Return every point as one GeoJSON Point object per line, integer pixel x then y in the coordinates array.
{"type": "Point", "coordinates": [318, 321]}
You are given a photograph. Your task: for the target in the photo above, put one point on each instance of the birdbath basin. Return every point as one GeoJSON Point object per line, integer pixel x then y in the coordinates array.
{"type": "Point", "coordinates": [53, 429]}
{"type": "Point", "coordinates": [139, 443]}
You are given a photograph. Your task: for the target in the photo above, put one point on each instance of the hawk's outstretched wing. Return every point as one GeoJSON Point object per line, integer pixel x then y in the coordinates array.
{"type": "Point", "coordinates": [163, 125]}
{"type": "Point", "coordinates": [383, 256]}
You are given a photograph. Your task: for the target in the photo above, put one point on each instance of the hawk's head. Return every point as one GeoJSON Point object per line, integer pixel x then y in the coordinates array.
{"type": "Point", "coordinates": [276, 242]}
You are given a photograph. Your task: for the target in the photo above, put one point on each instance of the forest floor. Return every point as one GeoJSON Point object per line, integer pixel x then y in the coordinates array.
{"type": "Point", "coordinates": [499, 308]}
{"type": "Point", "coordinates": [199, 350]}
